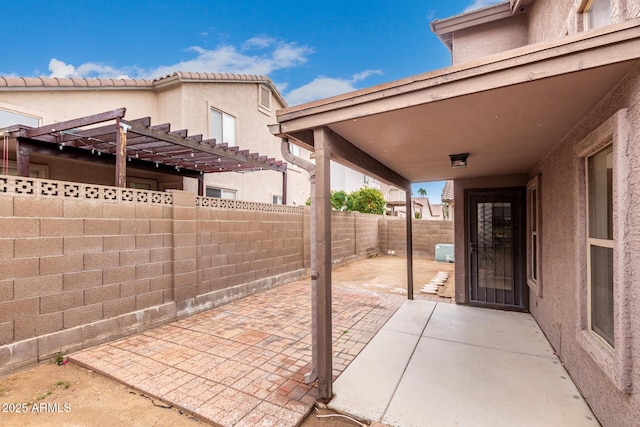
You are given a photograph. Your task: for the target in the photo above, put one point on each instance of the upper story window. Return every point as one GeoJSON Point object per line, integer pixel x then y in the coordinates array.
{"type": "Point", "coordinates": [9, 118]}
{"type": "Point", "coordinates": [596, 13]}
{"type": "Point", "coordinates": [223, 127]}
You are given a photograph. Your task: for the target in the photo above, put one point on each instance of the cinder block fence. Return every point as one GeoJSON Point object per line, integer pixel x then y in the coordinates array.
{"type": "Point", "coordinates": [82, 264]}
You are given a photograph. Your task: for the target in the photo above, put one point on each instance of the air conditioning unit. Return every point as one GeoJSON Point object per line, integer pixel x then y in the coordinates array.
{"type": "Point", "coordinates": [444, 253]}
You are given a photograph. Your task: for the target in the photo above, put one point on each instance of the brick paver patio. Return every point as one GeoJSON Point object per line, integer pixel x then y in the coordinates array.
{"type": "Point", "coordinates": [242, 364]}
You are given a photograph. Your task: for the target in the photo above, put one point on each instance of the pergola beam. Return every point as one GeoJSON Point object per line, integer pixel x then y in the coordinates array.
{"type": "Point", "coordinates": [75, 123]}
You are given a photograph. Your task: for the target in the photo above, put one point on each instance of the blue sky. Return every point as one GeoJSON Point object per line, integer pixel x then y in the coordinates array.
{"type": "Point", "coordinates": [311, 50]}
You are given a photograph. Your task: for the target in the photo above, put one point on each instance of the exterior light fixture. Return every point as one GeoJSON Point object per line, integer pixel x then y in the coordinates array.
{"type": "Point", "coordinates": [459, 160]}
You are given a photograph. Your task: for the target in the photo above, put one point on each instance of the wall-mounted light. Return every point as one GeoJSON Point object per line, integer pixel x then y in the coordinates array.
{"type": "Point", "coordinates": [459, 160]}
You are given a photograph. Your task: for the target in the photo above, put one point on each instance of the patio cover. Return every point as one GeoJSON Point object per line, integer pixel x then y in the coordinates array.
{"type": "Point", "coordinates": [136, 143]}
{"type": "Point", "coordinates": [506, 110]}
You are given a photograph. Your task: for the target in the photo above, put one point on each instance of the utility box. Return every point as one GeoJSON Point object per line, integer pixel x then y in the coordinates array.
{"type": "Point", "coordinates": [444, 253]}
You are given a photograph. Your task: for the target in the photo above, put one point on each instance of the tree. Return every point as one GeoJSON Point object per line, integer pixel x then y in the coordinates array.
{"type": "Point", "coordinates": [367, 200]}
{"type": "Point", "coordinates": [422, 192]}
{"type": "Point", "coordinates": [339, 200]}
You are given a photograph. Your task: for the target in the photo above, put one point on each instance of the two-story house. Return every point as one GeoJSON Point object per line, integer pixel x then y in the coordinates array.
{"type": "Point", "coordinates": [228, 108]}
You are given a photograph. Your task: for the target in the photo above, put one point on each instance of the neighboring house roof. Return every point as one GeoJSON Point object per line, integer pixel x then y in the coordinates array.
{"type": "Point", "coordinates": [436, 211]}
{"type": "Point", "coordinates": [38, 83]}
{"type": "Point", "coordinates": [447, 191]}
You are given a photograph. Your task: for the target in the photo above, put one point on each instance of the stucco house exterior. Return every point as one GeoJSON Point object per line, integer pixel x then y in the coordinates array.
{"type": "Point", "coordinates": [537, 123]}
{"type": "Point", "coordinates": [230, 108]}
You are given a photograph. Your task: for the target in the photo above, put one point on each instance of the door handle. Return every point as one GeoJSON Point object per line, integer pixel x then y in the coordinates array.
{"type": "Point", "coordinates": [472, 247]}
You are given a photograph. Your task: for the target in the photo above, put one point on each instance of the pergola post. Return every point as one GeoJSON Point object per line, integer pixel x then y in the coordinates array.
{"type": "Point", "coordinates": [323, 263]}
{"type": "Point", "coordinates": [409, 246]}
{"type": "Point", "coordinates": [23, 159]}
{"type": "Point", "coordinates": [121, 154]}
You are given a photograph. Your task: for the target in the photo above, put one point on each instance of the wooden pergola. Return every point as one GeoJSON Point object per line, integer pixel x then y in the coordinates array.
{"type": "Point", "coordinates": [137, 144]}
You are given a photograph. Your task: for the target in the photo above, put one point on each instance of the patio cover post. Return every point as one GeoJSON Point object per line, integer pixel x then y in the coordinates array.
{"type": "Point", "coordinates": [323, 263]}
{"type": "Point", "coordinates": [409, 246]}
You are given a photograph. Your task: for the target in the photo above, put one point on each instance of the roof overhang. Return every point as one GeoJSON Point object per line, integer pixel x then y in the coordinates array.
{"type": "Point", "coordinates": [507, 110]}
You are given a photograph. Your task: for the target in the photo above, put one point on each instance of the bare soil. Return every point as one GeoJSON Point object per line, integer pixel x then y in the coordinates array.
{"type": "Point", "coordinates": [69, 395]}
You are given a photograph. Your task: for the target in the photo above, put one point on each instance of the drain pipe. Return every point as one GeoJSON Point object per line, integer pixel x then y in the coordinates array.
{"type": "Point", "coordinates": [309, 377]}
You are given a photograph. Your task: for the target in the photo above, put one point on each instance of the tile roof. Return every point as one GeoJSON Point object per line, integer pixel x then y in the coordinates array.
{"type": "Point", "coordinates": [95, 83]}
{"type": "Point", "coordinates": [447, 191]}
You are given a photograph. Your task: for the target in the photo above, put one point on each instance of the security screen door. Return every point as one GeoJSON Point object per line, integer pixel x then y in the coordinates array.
{"type": "Point", "coordinates": [496, 249]}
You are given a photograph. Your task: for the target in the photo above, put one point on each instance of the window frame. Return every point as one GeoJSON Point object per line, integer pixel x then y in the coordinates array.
{"type": "Point", "coordinates": [585, 13]}
{"type": "Point", "coordinates": [222, 192]}
{"type": "Point", "coordinates": [534, 233]}
{"type": "Point", "coordinates": [595, 242]}
{"type": "Point", "coordinates": [614, 363]}
{"type": "Point", "coordinates": [223, 115]}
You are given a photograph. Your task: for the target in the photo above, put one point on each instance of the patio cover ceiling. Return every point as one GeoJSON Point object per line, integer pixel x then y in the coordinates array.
{"type": "Point", "coordinates": [507, 110]}
{"type": "Point", "coordinates": [145, 144]}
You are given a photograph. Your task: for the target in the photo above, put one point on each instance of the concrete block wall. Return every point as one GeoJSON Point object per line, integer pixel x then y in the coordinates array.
{"type": "Point", "coordinates": [343, 235]}
{"type": "Point", "coordinates": [76, 270]}
{"type": "Point", "coordinates": [426, 235]}
{"type": "Point", "coordinates": [83, 264]}
{"type": "Point", "coordinates": [239, 252]}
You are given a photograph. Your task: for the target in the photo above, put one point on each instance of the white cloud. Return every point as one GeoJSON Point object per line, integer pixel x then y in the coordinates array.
{"type": "Point", "coordinates": [59, 68]}
{"type": "Point", "coordinates": [324, 87]}
{"type": "Point", "coordinates": [260, 42]}
{"type": "Point", "coordinates": [477, 4]}
{"type": "Point", "coordinates": [259, 55]}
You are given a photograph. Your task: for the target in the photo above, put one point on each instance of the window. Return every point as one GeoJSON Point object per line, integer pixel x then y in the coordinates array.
{"type": "Point", "coordinates": [599, 176]}
{"type": "Point", "coordinates": [295, 150]}
{"type": "Point", "coordinates": [277, 200]}
{"type": "Point", "coordinates": [533, 236]}
{"type": "Point", "coordinates": [10, 118]}
{"type": "Point", "coordinates": [223, 127]}
{"type": "Point", "coordinates": [596, 13]}
{"type": "Point", "coordinates": [35, 170]}
{"type": "Point", "coordinates": [142, 183]}
{"type": "Point", "coordinates": [221, 193]}
{"type": "Point", "coordinates": [365, 179]}
{"type": "Point", "coordinates": [604, 207]}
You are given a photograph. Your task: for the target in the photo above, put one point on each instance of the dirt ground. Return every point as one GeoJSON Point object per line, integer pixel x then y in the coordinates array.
{"type": "Point", "coordinates": [69, 395]}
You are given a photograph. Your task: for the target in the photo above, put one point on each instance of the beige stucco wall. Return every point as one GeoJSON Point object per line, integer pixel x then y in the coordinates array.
{"type": "Point", "coordinates": [489, 38]}
{"type": "Point", "coordinates": [561, 309]}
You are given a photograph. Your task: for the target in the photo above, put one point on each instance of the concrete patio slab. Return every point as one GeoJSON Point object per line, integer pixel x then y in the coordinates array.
{"type": "Point", "coordinates": [373, 375]}
{"type": "Point", "coordinates": [468, 367]}
{"type": "Point", "coordinates": [506, 330]}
